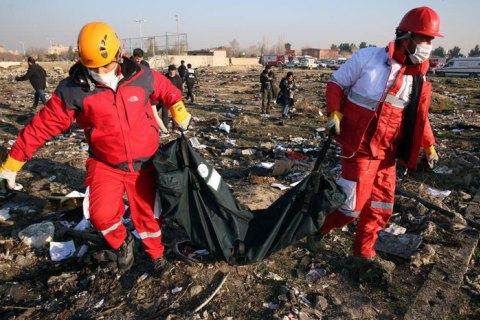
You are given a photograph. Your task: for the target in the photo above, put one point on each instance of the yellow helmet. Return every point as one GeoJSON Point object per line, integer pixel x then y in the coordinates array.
{"type": "Point", "coordinates": [98, 44]}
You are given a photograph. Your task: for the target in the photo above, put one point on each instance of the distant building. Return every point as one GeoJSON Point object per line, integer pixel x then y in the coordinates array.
{"type": "Point", "coordinates": [57, 49]}
{"type": "Point", "coordinates": [4, 50]}
{"type": "Point", "coordinates": [208, 52]}
{"type": "Point", "coordinates": [201, 52]}
{"type": "Point", "coordinates": [312, 52]}
{"type": "Point", "coordinates": [321, 53]}
{"type": "Point", "coordinates": [328, 54]}
{"type": "Point", "coordinates": [228, 50]}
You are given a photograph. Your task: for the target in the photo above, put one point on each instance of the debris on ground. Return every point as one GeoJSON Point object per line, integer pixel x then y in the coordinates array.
{"type": "Point", "coordinates": [256, 155]}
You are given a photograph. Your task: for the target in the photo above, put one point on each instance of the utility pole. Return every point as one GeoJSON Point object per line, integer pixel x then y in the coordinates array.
{"type": "Point", "coordinates": [23, 46]}
{"type": "Point", "coordinates": [140, 21]}
{"type": "Point", "coordinates": [50, 39]}
{"type": "Point", "coordinates": [178, 35]}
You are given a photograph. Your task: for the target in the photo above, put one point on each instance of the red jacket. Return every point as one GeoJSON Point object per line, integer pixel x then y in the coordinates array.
{"type": "Point", "coordinates": [119, 126]}
{"type": "Point", "coordinates": [376, 116]}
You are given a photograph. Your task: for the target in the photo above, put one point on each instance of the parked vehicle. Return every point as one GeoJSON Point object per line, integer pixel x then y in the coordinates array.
{"type": "Point", "coordinates": [460, 67]}
{"type": "Point", "coordinates": [333, 64]}
{"type": "Point", "coordinates": [321, 63]}
{"type": "Point", "coordinates": [307, 62]}
{"type": "Point", "coordinates": [276, 60]}
{"type": "Point", "coordinates": [294, 63]}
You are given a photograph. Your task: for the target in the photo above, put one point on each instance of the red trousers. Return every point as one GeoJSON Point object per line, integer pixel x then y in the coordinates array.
{"type": "Point", "coordinates": [369, 184]}
{"type": "Point", "coordinates": [107, 186]}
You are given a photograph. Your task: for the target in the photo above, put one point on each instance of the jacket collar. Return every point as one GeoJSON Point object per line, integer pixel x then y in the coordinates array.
{"type": "Point", "coordinates": [400, 57]}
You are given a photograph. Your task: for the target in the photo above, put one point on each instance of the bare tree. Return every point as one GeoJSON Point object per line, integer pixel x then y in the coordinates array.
{"type": "Point", "coordinates": [280, 46]}
{"type": "Point", "coordinates": [263, 45]}
{"type": "Point", "coordinates": [252, 51]}
{"type": "Point", "coordinates": [235, 47]}
{"type": "Point", "coordinates": [37, 53]}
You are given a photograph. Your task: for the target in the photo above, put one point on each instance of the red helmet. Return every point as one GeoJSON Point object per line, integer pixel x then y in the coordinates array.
{"type": "Point", "coordinates": [422, 20]}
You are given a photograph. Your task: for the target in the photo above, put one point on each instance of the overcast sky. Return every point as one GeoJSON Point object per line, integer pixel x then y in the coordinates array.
{"type": "Point", "coordinates": [211, 23]}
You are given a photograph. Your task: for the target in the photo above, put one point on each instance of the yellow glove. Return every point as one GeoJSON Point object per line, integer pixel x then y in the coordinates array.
{"type": "Point", "coordinates": [8, 173]}
{"type": "Point", "coordinates": [334, 122]}
{"type": "Point", "coordinates": [180, 115]}
{"type": "Point", "coordinates": [432, 156]}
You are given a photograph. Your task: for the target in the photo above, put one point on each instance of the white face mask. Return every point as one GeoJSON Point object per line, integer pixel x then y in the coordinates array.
{"type": "Point", "coordinates": [109, 79]}
{"type": "Point", "coordinates": [422, 53]}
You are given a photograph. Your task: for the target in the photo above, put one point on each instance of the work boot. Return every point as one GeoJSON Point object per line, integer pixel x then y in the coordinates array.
{"type": "Point", "coordinates": [379, 270]}
{"type": "Point", "coordinates": [125, 254]}
{"type": "Point", "coordinates": [158, 265]}
{"type": "Point", "coordinates": [375, 270]}
{"type": "Point", "coordinates": [315, 242]}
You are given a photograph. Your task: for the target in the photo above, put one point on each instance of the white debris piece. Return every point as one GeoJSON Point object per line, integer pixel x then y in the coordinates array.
{"type": "Point", "coordinates": [442, 194]}
{"type": "Point", "coordinates": [273, 276]}
{"type": "Point", "coordinates": [196, 144]}
{"type": "Point", "coordinates": [224, 127]}
{"type": "Point", "coordinates": [75, 194]}
{"type": "Point", "coordinates": [37, 235]}
{"type": "Point", "coordinates": [315, 274]}
{"type": "Point", "coordinates": [279, 186]}
{"type": "Point", "coordinates": [232, 142]}
{"type": "Point", "coordinates": [61, 250]}
{"type": "Point", "coordinates": [443, 170]}
{"type": "Point", "coordinates": [266, 165]}
{"type": "Point", "coordinates": [271, 305]}
{"type": "Point", "coordinates": [5, 214]}
{"type": "Point", "coordinates": [395, 229]}
{"type": "Point", "coordinates": [298, 139]}
{"type": "Point", "coordinates": [248, 152]}
{"type": "Point", "coordinates": [99, 304]}
{"type": "Point", "coordinates": [176, 290]}
{"type": "Point", "coordinates": [142, 277]}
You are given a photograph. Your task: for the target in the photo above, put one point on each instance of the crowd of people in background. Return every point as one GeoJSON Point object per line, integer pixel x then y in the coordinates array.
{"type": "Point", "coordinates": [182, 77]}
{"type": "Point", "coordinates": [284, 97]}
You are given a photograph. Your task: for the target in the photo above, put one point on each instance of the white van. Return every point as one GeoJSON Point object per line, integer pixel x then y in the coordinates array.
{"type": "Point", "coordinates": [307, 62]}
{"type": "Point", "coordinates": [466, 67]}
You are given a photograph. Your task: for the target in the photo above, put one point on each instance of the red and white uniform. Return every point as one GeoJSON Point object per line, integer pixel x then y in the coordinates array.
{"type": "Point", "coordinates": [372, 91]}
{"type": "Point", "coordinates": [122, 135]}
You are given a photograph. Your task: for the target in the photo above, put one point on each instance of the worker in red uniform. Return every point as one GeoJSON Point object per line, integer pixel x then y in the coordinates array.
{"type": "Point", "coordinates": [110, 97]}
{"type": "Point", "coordinates": [378, 108]}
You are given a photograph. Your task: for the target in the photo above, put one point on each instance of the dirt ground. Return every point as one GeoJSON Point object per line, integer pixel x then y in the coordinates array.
{"type": "Point", "coordinates": [32, 286]}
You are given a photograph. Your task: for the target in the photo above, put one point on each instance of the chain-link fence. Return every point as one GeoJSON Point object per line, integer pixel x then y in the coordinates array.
{"type": "Point", "coordinates": [170, 43]}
